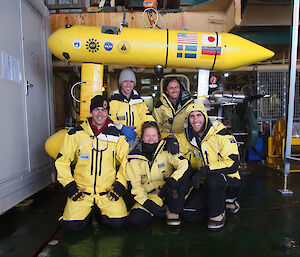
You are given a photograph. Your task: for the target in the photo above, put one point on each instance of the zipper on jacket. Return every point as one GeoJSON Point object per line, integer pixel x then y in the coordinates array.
{"type": "Point", "coordinates": [154, 156]}
{"type": "Point", "coordinates": [96, 167]}
{"type": "Point", "coordinates": [92, 162]}
{"type": "Point", "coordinates": [129, 112]}
{"type": "Point", "coordinates": [126, 118]}
{"type": "Point", "coordinates": [206, 155]}
{"type": "Point", "coordinates": [113, 152]}
{"type": "Point", "coordinates": [100, 164]}
{"type": "Point", "coordinates": [173, 112]}
{"type": "Point", "coordinates": [219, 154]}
{"type": "Point", "coordinates": [150, 165]}
{"type": "Point", "coordinates": [132, 117]}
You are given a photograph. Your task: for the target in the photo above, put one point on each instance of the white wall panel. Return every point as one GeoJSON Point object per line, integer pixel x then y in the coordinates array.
{"type": "Point", "coordinates": [13, 136]}
{"type": "Point", "coordinates": [26, 120]}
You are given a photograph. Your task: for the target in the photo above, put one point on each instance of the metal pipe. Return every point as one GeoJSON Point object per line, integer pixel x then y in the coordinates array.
{"type": "Point", "coordinates": [203, 80]}
{"type": "Point", "coordinates": [292, 83]}
{"type": "Point", "coordinates": [227, 96]}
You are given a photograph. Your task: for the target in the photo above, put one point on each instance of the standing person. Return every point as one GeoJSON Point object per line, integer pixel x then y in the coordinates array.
{"type": "Point", "coordinates": [157, 172]}
{"type": "Point", "coordinates": [169, 112]}
{"type": "Point", "coordinates": [127, 107]}
{"type": "Point", "coordinates": [214, 156]}
{"type": "Point", "coordinates": [94, 148]}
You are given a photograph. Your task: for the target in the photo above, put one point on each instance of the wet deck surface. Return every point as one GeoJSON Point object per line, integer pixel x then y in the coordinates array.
{"type": "Point", "coordinates": [267, 225]}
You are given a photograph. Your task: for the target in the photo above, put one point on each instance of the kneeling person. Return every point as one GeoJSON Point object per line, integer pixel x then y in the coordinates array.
{"type": "Point", "coordinates": [214, 155]}
{"type": "Point", "coordinates": [158, 175]}
{"type": "Point", "coordinates": [95, 146]}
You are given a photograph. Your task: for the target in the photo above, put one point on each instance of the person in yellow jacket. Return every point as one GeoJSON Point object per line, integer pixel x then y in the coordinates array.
{"type": "Point", "coordinates": [95, 148]}
{"type": "Point", "coordinates": [158, 175]}
{"type": "Point", "coordinates": [169, 112]}
{"type": "Point", "coordinates": [214, 157]}
{"type": "Point", "coordinates": [127, 107]}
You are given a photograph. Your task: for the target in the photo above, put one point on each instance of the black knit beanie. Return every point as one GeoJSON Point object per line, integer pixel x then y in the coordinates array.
{"type": "Point", "coordinates": [99, 101]}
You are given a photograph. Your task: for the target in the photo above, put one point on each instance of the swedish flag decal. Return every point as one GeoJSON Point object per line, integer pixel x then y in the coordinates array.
{"type": "Point", "coordinates": [187, 51]}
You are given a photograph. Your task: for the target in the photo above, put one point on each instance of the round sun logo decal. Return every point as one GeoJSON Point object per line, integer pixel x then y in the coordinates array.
{"type": "Point", "coordinates": [92, 45]}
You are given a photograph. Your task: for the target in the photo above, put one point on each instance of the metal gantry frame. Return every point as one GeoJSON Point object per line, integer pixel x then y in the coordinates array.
{"type": "Point", "coordinates": [288, 159]}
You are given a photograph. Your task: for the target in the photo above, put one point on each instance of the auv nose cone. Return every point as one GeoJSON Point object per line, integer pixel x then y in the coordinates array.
{"type": "Point", "coordinates": [240, 52]}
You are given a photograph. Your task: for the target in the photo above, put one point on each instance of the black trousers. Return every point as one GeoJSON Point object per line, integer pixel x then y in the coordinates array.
{"type": "Point", "coordinates": [174, 199]}
{"type": "Point", "coordinates": [210, 199]}
{"type": "Point", "coordinates": [76, 225]}
{"type": "Point", "coordinates": [139, 217]}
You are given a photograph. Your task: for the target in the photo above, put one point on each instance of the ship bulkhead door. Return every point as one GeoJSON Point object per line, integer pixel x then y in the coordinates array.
{"type": "Point", "coordinates": [36, 86]}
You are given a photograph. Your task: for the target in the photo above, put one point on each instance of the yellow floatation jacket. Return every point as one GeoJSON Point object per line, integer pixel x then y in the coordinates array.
{"type": "Point", "coordinates": [217, 148]}
{"type": "Point", "coordinates": [129, 113]}
{"type": "Point", "coordinates": [148, 177]}
{"type": "Point", "coordinates": [96, 158]}
{"type": "Point", "coordinates": [170, 120]}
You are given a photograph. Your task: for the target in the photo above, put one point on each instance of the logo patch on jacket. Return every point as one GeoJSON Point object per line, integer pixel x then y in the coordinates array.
{"type": "Point", "coordinates": [160, 165]}
{"type": "Point", "coordinates": [232, 140]}
{"type": "Point", "coordinates": [84, 157]}
{"type": "Point", "coordinates": [120, 117]}
{"type": "Point", "coordinates": [197, 154]}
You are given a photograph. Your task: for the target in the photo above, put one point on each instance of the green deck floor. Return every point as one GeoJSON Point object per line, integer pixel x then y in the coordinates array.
{"type": "Point", "coordinates": [267, 225]}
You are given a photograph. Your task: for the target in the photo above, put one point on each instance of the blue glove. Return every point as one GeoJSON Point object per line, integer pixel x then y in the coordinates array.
{"type": "Point", "coordinates": [129, 132]}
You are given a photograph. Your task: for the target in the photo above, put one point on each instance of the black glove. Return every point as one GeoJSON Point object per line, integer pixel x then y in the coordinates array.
{"type": "Point", "coordinates": [169, 189]}
{"type": "Point", "coordinates": [116, 192]}
{"type": "Point", "coordinates": [118, 188]}
{"type": "Point", "coordinates": [73, 192]}
{"type": "Point", "coordinates": [172, 145]}
{"type": "Point", "coordinates": [172, 182]}
{"type": "Point", "coordinates": [155, 209]}
{"type": "Point", "coordinates": [112, 195]}
{"type": "Point", "coordinates": [199, 175]}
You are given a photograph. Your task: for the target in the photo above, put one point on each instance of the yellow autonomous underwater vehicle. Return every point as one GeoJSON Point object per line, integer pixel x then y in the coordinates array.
{"type": "Point", "coordinates": [151, 47]}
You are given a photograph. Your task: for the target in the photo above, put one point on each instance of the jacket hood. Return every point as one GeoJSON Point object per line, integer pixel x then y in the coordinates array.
{"type": "Point", "coordinates": [169, 79]}
{"type": "Point", "coordinates": [211, 126]}
{"type": "Point", "coordinates": [184, 97]}
{"type": "Point", "coordinates": [197, 107]}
